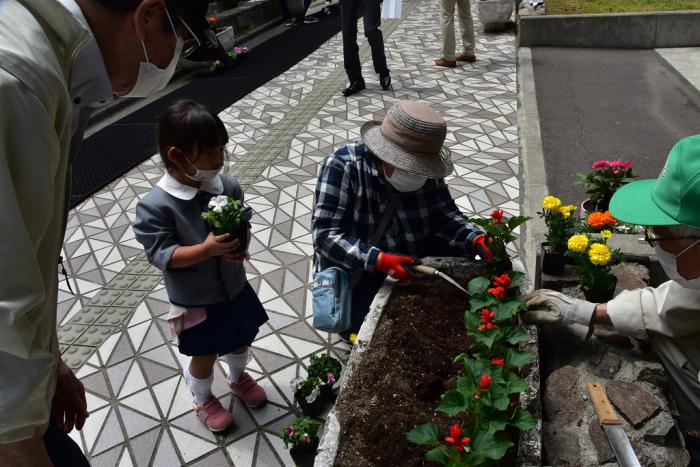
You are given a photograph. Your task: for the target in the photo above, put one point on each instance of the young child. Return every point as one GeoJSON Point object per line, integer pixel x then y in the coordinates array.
{"type": "Point", "coordinates": [213, 311]}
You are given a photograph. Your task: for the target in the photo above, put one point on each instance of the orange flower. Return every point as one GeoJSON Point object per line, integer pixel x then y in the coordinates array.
{"type": "Point", "coordinates": [211, 20]}
{"type": "Point", "coordinates": [609, 219]}
{"type": "Point", "coordinates": [597, 220]}
{"type": "Point", "coordinates": [498, 361]}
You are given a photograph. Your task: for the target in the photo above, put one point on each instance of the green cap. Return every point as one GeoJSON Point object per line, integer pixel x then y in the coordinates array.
{"type": "Point", "coordinates": [671, 199]}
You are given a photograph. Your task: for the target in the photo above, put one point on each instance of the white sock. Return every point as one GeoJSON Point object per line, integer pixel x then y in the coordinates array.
{"type": "Point", "coordinates": [200, 388]}
{"type": "Point", "coordinates": [236, 365]}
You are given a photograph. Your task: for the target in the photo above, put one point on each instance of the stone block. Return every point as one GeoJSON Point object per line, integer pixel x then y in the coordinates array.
{"type": "Point", "coordinates": [105, 297]}
{"type": "Point", "coordinates": [130, 298]}
{"type": "Point", "coordinates": [563, 401]}
{"type": "Point", "coordinates": [633, 402]}
{"type": "Point", "coordinates": [658, 429]}
{"type": "Point", "coordinates": [122, 281]}
{"type": "Point", "coordinates": [561, 446]}
{"type": "Point", "coordinates": [114, 316]}
{"type": "Point", "coordinates": [631, 276]}
{"type": "Point", "coordinates": [69, 333]}
{"type": "Point", "coordinates": [608, 366]}
{"type": "Point", "coordinates": [75, 356]}
{"type": "Point", "coordinates": [650, 372]}
{"type": "Point", "coordinates": [600, 441]}
{"type": "Point", "coordinates": [94, 336]}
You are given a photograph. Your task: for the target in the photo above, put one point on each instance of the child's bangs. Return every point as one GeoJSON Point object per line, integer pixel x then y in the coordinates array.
{"type": "Point", "coordinates": [205, 131]}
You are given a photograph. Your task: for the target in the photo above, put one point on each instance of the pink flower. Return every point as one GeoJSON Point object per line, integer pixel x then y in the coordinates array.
{"type": "Point", "coordinates": [330, 378]}
{"type": "Point", "coordinates": [600, 164]}
{"type": "Point", "coordinates": [290, 432]}
{"type": "Point", "coordinates": [238, 50]}
{"type": "Point", "coordinates": [617, 172]}
{"type": "Point", "coordinates": [615, 164]}
{"type": "Point", "coordinates": [626, 165]}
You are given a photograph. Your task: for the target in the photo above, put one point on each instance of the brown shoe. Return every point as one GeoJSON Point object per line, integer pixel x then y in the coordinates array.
{"type": "Point", "coordinates": [445, 62]}
{"type": "Point", "coordinates": [471, 58]}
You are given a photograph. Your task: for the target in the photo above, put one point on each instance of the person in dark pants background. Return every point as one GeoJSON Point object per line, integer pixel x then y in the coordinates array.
{"type": "Point", "coordinates": [370, 12]}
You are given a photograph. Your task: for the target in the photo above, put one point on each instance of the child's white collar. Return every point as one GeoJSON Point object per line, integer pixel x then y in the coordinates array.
{"type": "Point", "coordinates": [181, 191]}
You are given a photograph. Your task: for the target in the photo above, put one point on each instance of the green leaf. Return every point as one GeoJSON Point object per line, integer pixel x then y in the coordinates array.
{"type": "Point", "coordinates": [523, 420]}
{"type": "Point", "coordinates": [506, 310]}
{"type": "Point", "coordinates": [452, 403]}
{"type": "Point", "coordinates": [424, 434]}
{"type": "Point", "coordinates": [513, 222]}
{"type": "Point", "coordinates": [514, 383]}
{"type": "Point", "coordinates": [516, 358]}
{"type": "Point", "coordinates": [497, 420]}
{"type": "Point", "coordinates": [516, 335]}
{"type": "Point", "coordinates": [482, 300]}
{"type": "Point", "coordinates": [490, 446]}
{"type": "Point", "coordinates": [485, 338]}
{"type": "Point", "coordinates": [436, 455]}
{"type": "Point", "coordinates": [499, 399]}
{"type": "Point", "coordinates": [471, 321]}
{"type": "Point", "coordinates": [478, 285]}
{"type": "Point", "coordinates": [516, 279]}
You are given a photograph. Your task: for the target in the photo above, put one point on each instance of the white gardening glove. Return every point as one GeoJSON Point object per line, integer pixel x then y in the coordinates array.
{"type": "Point", "coordinates": [547, 307]}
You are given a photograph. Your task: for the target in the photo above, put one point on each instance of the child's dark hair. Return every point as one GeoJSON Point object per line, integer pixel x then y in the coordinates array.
{"type": "Point", "coordinates": [191, 127]}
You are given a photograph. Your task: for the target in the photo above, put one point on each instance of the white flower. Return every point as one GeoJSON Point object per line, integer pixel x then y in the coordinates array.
{"type": "Point", "coordinates": [314, 395]}
{"type": "Point", "coordinates": [220, 201]}
{"type": "Point", "coordinates": [217, 209]}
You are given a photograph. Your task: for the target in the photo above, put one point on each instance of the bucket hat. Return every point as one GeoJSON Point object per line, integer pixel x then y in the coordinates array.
{"type": "Point", "coordinates": [671, 199]}
{"type": "Point", "coordinates": [411, 138]}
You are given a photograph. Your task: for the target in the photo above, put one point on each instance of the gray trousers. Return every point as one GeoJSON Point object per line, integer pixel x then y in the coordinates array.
{"type": "Point", "coordinates": [466, 27]}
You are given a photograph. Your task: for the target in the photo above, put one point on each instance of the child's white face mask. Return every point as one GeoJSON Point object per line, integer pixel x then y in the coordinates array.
{"type": "Point", "coordinates": [201, 175]}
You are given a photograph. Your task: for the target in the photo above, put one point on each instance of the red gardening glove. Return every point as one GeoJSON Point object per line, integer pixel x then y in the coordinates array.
{"type": "Point", "coordinates": [394, 265]}
{"type": "Point", "coordinates": [480, 248]}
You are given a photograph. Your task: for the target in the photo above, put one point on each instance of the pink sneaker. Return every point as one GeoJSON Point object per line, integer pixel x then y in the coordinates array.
{"type": "Point", "coordinates": [213, 415]}
{"type": "Point", "coordinates": [249, 391]}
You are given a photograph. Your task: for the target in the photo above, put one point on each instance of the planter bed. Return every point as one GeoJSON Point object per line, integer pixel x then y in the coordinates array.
{"type": "Point", "coordinates": [399, 368]}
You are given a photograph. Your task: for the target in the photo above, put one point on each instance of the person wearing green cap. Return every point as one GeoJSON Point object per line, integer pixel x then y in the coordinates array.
{"type": "Point", "coordinates": [668, 316]}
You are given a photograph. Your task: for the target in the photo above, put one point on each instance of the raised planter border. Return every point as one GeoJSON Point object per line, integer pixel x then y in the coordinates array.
{"type": "Point", "coordinates": [530, 442]}
{"type": "Point", "coordinates": [614, 30]}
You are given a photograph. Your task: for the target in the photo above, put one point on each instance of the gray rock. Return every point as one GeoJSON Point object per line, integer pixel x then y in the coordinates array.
{"type": "Point", "coordinates": [631, 276]}
{"type": "Point", "coordinates": [650, 372]}
{"type": "Point", "coordinates": [657, 429]}
{"type": "Point", "coordinates": [608, 366]}
{"type": "Point", "coordinates": [563, 401]}
{"type": "Point", "coordinates": [561, 446]}
{"type": "Point", "coordinates": [633, 402]}
{"type": "Point", "coordinates": [600, 441]}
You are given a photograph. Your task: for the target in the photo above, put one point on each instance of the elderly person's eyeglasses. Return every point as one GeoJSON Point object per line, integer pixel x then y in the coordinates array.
{"type": "Point", "coordinates": [191, 43]}
{"type": "Point", "coordinates": [652, 239]}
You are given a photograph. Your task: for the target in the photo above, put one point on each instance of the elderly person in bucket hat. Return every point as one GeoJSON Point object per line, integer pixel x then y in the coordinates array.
{"type": "Point", "coordinates": [402, 157]}
{"type": "Point", "coordinates": [667, 316]}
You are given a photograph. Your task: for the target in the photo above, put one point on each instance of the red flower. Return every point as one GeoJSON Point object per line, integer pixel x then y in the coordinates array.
{"type": "Point", "coordinates": [487, 317]}
{"type": "Point", "coordinates": [485, 382]}
{"type": "Point", "coordinates": [498, 292]}
{"type": "Point", "coordinates": [600, 164]}
{"type": "Point", "coordinates": [498, 361]}
{"type": "Point", "coordinates": [456, 439]}
{"type": "Point", "coordinates": [477, 394]}
{"type": "Point", "coordinates": [502, 281]}
{"type": "Point", "coordinates": [497, 216]}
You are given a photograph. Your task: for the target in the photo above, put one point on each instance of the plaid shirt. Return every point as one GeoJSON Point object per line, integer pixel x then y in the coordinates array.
{"type": "Point", "coordinates": [350, 200]}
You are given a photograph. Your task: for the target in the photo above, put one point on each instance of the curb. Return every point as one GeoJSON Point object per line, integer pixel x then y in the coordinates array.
{"type": "Point", "coordinates": [534, 178]}
{"type": "Point", "coordinates": [615, 30]}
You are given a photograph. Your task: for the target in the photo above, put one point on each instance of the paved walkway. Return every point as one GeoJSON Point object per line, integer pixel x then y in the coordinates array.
{"type": "Point", "coordinates": [112, 332]}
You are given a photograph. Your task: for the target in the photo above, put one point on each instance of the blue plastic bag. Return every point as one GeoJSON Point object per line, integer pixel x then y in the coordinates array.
{"type": "Point", "coordinates": [332, 300]}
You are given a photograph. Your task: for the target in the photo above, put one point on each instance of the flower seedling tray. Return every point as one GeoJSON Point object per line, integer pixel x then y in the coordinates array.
{"type": "Point", "coordinates": [400, 366]}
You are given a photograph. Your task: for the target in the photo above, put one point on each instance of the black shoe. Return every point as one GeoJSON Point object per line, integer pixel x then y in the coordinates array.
{"type": "Point", "coordinates": [385, 81]}
{"type": "Point", "coordinates": [355, 87]}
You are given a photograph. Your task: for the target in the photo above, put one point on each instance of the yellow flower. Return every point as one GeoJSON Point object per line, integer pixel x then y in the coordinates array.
{"type": "Point", "coordinates": [599, 254]}
{"type": "Point", "coordinates": [551, 203]}
{"type": "Point", "coordinates": [566, 210]}
{"type": "Point", "coordinates": [352, 338]}
{"type": "Point", "coordinates": [578, 243]}
{"type": "Point", "coordinates": [606, 234]}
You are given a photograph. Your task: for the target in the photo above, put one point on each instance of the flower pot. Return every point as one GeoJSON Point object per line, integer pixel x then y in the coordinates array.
{"type": "Point", "coordinates": [304, 455]}
{"type": "Point", "coordinates": [552, 262]}
{"type": "Point", "coordinates": [587, 207]}
{"type": "Point", "coordinates": [314, 408]}
{"type": "Point", "coordinates": [240, 233]}
{"type": "Point", "coordinates": [494, 14]}
{"type": "Point", "coordinates": [601, 295]}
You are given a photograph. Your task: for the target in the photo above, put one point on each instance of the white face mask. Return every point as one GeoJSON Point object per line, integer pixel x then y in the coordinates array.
{"type": "Point", "coordinates": [669, 264]}
{"type": "Point", "coordinates": [152, 79]}
{"type": "Point", "coordinates": [404, 181]}
{"type": "Point", "coordinates": [201, 175]}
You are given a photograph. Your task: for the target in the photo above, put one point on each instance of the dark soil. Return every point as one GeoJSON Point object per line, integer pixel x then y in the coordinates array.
{"type": "Point", "coordinates": [408, 367]}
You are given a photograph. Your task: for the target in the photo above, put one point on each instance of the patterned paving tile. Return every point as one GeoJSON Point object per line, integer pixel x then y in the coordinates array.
{"type": "Point", "coordinates": [140, 408]}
